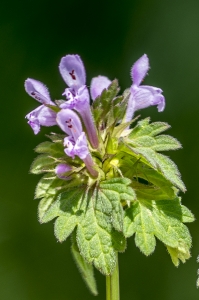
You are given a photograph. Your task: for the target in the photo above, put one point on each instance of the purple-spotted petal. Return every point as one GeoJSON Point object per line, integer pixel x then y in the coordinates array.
{"type": "Point", "coordinates": [72, 70]}
{"type": "Point", "coordinates": [69, 122]}
{"type": "Point", "coordinates": [98, 84]}
{"type": "Point", "coordinates": [140, 69]}
{"type": "Point", "coordinates": [38, 91]}
{"type": "Point", "coordinates": [42, 115]}
{"type": "Point", "coordinates": [80, 101]}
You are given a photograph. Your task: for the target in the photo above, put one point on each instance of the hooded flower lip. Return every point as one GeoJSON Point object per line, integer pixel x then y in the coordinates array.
{"type": "Point", "coordinates": [42, 115]}
{"type": "Point", "coordinates": [98, 84]}
{"type": "Point", "coordinates": [38, 91]}
{"type": "Point", "coordinates": [73, 72]}
{"type": "Point", "coordinates": [69, 122]}
{"type": "Point", "coordinates": [142, 96]}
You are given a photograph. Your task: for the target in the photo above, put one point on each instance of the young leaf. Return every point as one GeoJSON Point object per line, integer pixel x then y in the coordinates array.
{"type": "Point", "coordinates": [143, 128]}
{"type": "Point", "coordinates": [180, 253]}
{"type": "Point", "coordinates": [53, 149]}
{"type": "Point", "coordinates": [102, 104]}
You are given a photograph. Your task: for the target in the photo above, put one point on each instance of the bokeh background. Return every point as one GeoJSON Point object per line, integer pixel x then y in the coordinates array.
{"type": "Point", "coordinates": [109, 36]}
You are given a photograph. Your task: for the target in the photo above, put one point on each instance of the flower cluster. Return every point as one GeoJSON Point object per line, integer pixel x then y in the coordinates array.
{"type": "Point", "coordinates": [105, 177]}
{"type": "Point", "coordinates": [76, 108]}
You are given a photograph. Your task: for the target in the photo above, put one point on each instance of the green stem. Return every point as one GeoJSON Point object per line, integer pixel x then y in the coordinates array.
{"type": "Point", "coordinates": [112, 284]}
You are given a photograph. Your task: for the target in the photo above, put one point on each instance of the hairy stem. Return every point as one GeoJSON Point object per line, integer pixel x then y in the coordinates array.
{"type": "Point", "coordinates": [112, 284]}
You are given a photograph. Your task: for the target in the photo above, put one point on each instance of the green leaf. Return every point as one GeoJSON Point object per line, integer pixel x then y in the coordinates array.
{"type": "Point", "coordinates": [137, 220]}
{"type": "Point", "coordinates": [94, 235]}
{"type": "Point", "coordinates": [107, 96]}
{"type": "Point", "coordinates": [65, 205]}
{"type": "Point", "coordinates": [180, 253]}
{"type": "Point", "coordinates": [143, 141]}
{"type": "Point", "coordinates": [119, 186]}
{"type": "Point", "coordinates": [147, 182]}
{"type": "Point", "coordinates": [165, 143]}
{"type": "Point", "coordinates": [102, 104]}
{"type": "Point", "coordinates": [86, 269]}
{"type": "Point", "coordinates": [54, 149]}
{"type": "Point", "coordinates": [161, 219]}
{"type": "Point", "coordinates": [48, 188]}
{"type": "Point", "coordinates": [95, 213]}
{"type": "Point", "coordinates": [143, 128]}
{"type": "Point", "coordinates": [42, 163]}
{"type": "Point", "coordinates": [64, 226]}
{"type": "Point", "coordinates": [187, 215]}
{"type": "Point", "coordinates": [117, 111]}
{"type": "Point", "coordinates": [170, 170]}
{"type": "Point", "coordinates": [160, 162]}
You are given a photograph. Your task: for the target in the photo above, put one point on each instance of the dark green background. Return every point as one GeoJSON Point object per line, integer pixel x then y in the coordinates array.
{"type": "Point", "coordinates": [109, 36]}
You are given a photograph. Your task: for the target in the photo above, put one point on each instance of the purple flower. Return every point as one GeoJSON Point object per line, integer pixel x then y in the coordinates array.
{"type": "Point", "coordinates": [142, 96]}
{"type": "Point", "coordinates": [61, 169]}
{"type": "Point", "coordinates": [75, 142]}
{"type": "Point", "coordinates": [42, 115]}
{"type": "Point", "coordinates": [98, 84]}
{"type": "Point", "coordinates": [73, 72]}
{"type": "Point", "coordinates": [78, 147]}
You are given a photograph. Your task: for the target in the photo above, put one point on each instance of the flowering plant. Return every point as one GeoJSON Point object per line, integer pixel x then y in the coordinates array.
{"type": "Point", "coordinates": [105, 179]}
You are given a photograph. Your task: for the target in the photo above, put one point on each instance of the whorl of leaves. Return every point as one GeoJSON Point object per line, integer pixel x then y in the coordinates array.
{"type": "Point", "coordinates": [136, 193]}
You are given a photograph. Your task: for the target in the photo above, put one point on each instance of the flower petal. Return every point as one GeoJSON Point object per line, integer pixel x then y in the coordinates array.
{"type": "Point", "coordinates": [38, 91]}
{"type": "Point", "coordinates": [81, 146]}
{"type": "Point", "coordinates": [69, 122]}
{"type": "Point", "coordinates": [98, 84]}
{"type": "Point", "coordinates": [140, 69]}
{"type": "Point", "coordinates": [80, 101]}
{"type": "Point", "coordinates": [142, 97]}
{"type": "Point", "coordinates": [61, 169]}
{"type": "Point", "coordinates": [69, 142]}
{"type": "Point", "coordinates": [76, 100]}
{"type": "Point", "coordinates": [72, 70]}
{"type": "Point", "coordinates": [78, 147]}
{"type": "Point", "coordinates": [42, 115]}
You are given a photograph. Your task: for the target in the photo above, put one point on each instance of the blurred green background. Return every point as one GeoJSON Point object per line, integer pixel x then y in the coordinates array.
{"type": "Point", "coordinates": [109, 36]}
